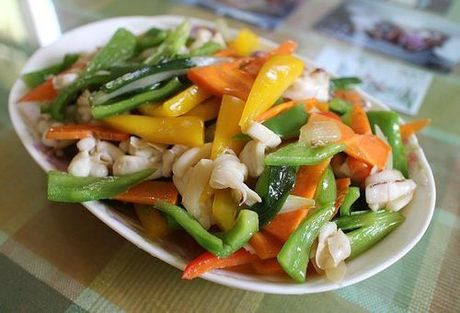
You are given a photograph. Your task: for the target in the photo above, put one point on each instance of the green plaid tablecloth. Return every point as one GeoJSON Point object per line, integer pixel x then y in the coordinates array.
{"type": "Point", "coordinates": [60, 258]}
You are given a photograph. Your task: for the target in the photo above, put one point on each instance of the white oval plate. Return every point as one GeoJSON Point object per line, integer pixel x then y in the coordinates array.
{"type": "Point", "coordinates": [385, 253]}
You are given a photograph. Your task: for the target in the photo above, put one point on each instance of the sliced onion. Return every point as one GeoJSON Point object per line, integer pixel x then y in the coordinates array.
{"type": "Point", "coordinates": [320, 133]}
{"type": "Point", "coordinates": [294, 203]}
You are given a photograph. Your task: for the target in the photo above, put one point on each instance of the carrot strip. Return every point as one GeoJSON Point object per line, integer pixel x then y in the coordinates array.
{"type": "Point", "coordinates": [43, 92]}
{"type": "Point", "coordinates": [311, 104]}
{"type": "Point", "coordinates": [359, 121]}
{"type": "Point", "coordinates": [351, 96]}
{"type": "Point", "coordinates": [275, 110]}
{"type": "Point", "coordinates": [267, 267]}
{"type": "Point", "coordinates": [80, 131]}
{"type": "Point", "coordinates": [222, 79]}
{"type": "Point", "coordinates": [229, 52]}
{"type": "Point", "coordinates": [367, 148]}
{"type": "Point", "coordinates": [342, 188]}
{"type": "Point", "coordinates": [286, 47]}
{"type": "Point", "coordinates": [359, 170]}
{"type": "Point", "coordinates": [284, 224]}
{"type": "Point", "coordinates": [308, 178]}
{"type": "Point", "coordinates": [149, 192]}
{"type": "Point", "coordinates": [265, 245]}
{"type": "Point", "coordinates": [370, 149]}
{"type": "Point", "coordinates": [408, 129]}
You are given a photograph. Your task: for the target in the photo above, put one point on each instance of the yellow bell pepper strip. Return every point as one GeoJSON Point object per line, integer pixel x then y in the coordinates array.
{"type": "Point", "coordinates": [155, 224]}
{"type": "Point", "coordinates": [183, 130]}
{"type": "Point", "coordinates": [275, 76]}
{"type": "Point", "coordinates": [245, 42]}
{"type": "Point", "coordinates": [224, 207]}
{"type": "Point", "coordinates": [183, 102]}
{"type": "Point", "coordinates": [227, 126]}
{"type": "Point", "coordinates": [207, 110]}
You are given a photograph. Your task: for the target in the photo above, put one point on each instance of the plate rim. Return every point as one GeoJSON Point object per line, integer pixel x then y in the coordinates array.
{"type": "Point", "coordinates": [235, 280]}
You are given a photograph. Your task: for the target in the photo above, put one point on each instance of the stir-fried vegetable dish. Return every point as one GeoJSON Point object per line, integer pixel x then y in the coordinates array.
{"type": "Point", "coordinates": [271, 165]}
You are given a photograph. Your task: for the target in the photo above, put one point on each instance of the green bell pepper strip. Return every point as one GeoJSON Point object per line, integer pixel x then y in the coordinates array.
{"type": "Point", "coordinates": [33, 79]}
{"type": "Point", "coordinates": [350, 198]}
{"type": "Point", "coordinates": [70, 92]}
{"type": "Point", "coordinates": [363, 219]}
{"type": "Point", "coordinates": [273, 186]}
{"type": "Point", "coordinates": [246, 225]}
{"type": "Point", "coordinates": [388, 122]}
{"type": "Point", "coordinates": [151, 38]}
{"type": "Point", "coordinates": [343, 108]}
{"type": "Point", "coordinates": [208, 48]}
{"type": "Point", "coordinates": [326, 192]}
{"type": "Point", "coordinates": [64, 187]}
{"type": "Point", "coordinates": [287, 124]}
{"type": "Point", "coordinates": [172, 45]}
{"type": "Point", "coordinates": [119, 48]}
{"type": "Point", "coordinates": [300, 153]}
{"type": "Point", "coordinates": [340, 106]}
{"type": "Point", "coordinates": [104, 111]}
{"type": "Point", "coordinates": [366, 237]}
{"type": "Point", "coordinates": [345, 82]}
{"type": "Point", "coordinates": [295, 253]}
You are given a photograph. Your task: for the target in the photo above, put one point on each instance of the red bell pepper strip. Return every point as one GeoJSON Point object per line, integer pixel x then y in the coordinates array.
{"type": "Point", "coordinates": [208, 262]}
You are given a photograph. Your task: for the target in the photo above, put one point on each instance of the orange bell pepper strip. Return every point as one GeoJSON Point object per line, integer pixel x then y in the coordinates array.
{"type": "Point", "coordinates": [342, 185]}
{"type": "Point", "coordinates": [80, 131]}
{"type": "Point", "coordinates": [149, 192]}
{"type": "Point", "coordinates": [207, 262]}
{"type": "Point", "coordinates": [275, 76]}
{"type": "Point", "coordinates": [410, 128]}
{"type": "Point", "coordinates": [224, 207]}
{"type": "Point", "coordinates": [265, 245]}
{"type": "Point", "coordinates": [284, 224]}
{"type": "Point", "coordinates": [308, 178]}
{"type": "Point", "coordinates": [245, 42]}
{"type": "Point", "coordinates": [359, 121]}
{"type": "Point", "coordinates": [182, 130]}
{"type": "Point", "coordinates": [182, 103]}
{"type": "Point", "coordinates": [42, 93]}
{"type": "Point", "coordinates": [267, 267]}
{"type": "Point", "coordinates": [155, 224]}
{"type": "Point", "coordinates": [220, 79]}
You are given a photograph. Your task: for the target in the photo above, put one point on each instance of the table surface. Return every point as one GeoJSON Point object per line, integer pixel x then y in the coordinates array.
{"type": "Point", "coordinates": [56, 258]}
